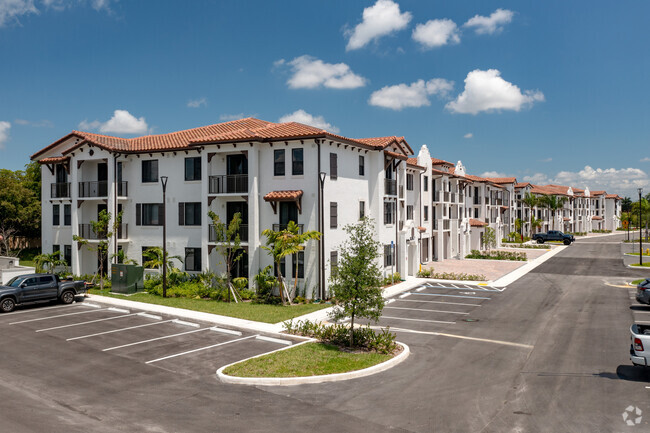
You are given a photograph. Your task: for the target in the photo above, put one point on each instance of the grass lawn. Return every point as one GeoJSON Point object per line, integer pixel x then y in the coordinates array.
{"type": "Point", "coordinates": [635, 282]}
{"type": "Point", "coordinates": [645, 265]}
{"type": "Point", "coordinates": [636, 254]}
{"type": "Point", "coordinates": [309, 359]}
{"type": "Point", "coordinates": [29, 263]}
{"type": "Point", "coordinates": [243, 310]}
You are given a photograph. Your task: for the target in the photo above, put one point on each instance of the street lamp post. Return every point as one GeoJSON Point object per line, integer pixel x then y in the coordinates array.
{"type": "Point", "coordinates": [321, 177]}
{"type": "Point", "coordinates": [163, 180]}
{"type": "Point", "coordinates": [640, 231]}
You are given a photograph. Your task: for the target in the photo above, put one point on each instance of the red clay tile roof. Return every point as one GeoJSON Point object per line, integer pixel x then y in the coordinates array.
{"type": "Point", "coordinates": [596, 217]}
{"type": "Point", "coordinates": [522, 185]}
{"type": "Point", "coordinates": [54, 160]}
{"type": "Point", "coordinates": [436, 161]}
{"type": "Point", "coordinates": [384, 142]}
{"type": "Point", "coordinates": [413, 162]}
{"type": "Point", "coordinates": [396, 155]}
{"type": "Point", "coordinates": [502, 180]}
{"type": "Point", "coordinates": [592, 193]}
{"type": "Point", "coordinates": [422, 229]}
{"type": "Point", "coordinates": [476, 223]}
{"type": "Point", "coordinates": [287, 195]}
{"type": "Point", "coordinates": [249, 129]}
{"type": "Point", "coordinates": [567, 219]}
{"type": "Point", "coordinates": [616, 196]}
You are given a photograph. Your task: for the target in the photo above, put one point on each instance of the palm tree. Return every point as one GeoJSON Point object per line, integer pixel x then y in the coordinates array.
{"type": "Point", "coordinates": [122, 258]}
{"type": "Point", "coordinates": [535, 224]}
{"type": "Point", "coordinates": [531, 201]}
{"type": "Point", "coordinates": [155, 256]}
{"type": "Point", "coordinates": [47, 262]}
{"type": "Point", "coordinates": [554, 203]}
{"type": "Point", "coordinates": [284, 243]}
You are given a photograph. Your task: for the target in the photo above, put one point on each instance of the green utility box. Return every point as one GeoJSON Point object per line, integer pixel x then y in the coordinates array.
{"type": "Point", "coordinates": [127, 278]}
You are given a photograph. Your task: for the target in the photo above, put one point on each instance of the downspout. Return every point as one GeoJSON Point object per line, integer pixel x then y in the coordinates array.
{"type": "Point", "coordinates": [396, 221]}
{"type": "Point", "coordinates": [321, 242]}
{"type": "Point", "coordinates": [420, 212]}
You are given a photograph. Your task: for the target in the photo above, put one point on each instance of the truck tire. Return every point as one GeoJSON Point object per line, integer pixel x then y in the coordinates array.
{"type": "Point", "coordinates": [567, 242]}
{"type": "Point", "coordinates": [67, 297]}
{"type": "Point", "coordinates": [7, 305]}
{"type": "Point", "coordinates": [540, 240]}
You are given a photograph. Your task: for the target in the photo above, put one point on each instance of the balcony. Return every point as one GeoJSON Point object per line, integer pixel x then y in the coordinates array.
{"type": "Point", "coordinates": [487, 200]}
{"type": "Point", "coordinates": [435, 195]}
{"type": "Point", "coordinates": [243, 233]}
{"type": "Point", "coordinates": [60, 190]}
{"type": "Point", "coordinates": [122, 189]}
{"type": "Point", "coordinates": [446, 224]}
{"type": "Point", "coordinates": [279, 227]}
{"type": "Point", "coordinates": [446, 197]}
{"type": "Point", "coordinates": [453, 197]}
{"type": "Point", "coordinates": [435, 224]}
{"type": "Point", "coordinates": [86, 231]}
{"type": "Point", "coordinates": [229, 184]}
{"type": "Point", "coordinates": [477, 200]}
{"type": "Point", "coordinates": [390, 187]}
{"type": "Point", "coordinates": [93, 189]}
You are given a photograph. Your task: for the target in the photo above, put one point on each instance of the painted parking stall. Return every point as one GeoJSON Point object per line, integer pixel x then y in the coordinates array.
{"type": "Point", "coordinates": [189, 347]}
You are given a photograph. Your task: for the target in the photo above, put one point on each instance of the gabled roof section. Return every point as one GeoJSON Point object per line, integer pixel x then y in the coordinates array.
{"type": "Point", "coordinates": [436, 161]}
{"type": "Point", "coordinates": [476, 223]}
{"type": "Point", "coordinates": [502, 180]}
{"type": "Point", "coordinates": [384, 142]}
{"type": "Point", "coordinates": [522, 185]}
{"type": "Point", "coordinates": [413, 162]}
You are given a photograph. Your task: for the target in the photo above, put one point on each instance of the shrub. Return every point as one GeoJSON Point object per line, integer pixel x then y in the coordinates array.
{"type": "Point", "coordinates": [388, 280]}
{"type": "Point", "coordinates": [497, 255]}
{"type": "Point", "coordinates": [428, 273]}
{"type": "Point", "coordinates": [532, 247]}
{"type": "Point", "coordinates": [339, 334]}
{"type": "Point", "coordinates": [601, 231]}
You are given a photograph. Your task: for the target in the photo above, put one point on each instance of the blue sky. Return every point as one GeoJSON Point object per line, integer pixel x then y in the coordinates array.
{"type": "Point", "coordinates": [545, 91]}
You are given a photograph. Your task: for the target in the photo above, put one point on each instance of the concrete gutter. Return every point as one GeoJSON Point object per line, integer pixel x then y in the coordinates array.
{"type": "Point", "coordinates": [291, 381]}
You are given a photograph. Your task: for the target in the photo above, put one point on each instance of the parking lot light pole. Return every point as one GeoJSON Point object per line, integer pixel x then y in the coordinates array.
{"type": "Point", "coordinates": [640, 231]}
{"type": "Point", "coordinates": [163, 180]}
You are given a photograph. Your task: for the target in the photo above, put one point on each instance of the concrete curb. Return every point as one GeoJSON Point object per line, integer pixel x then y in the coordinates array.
{"type": "Point", "coordinates": [292, 381]}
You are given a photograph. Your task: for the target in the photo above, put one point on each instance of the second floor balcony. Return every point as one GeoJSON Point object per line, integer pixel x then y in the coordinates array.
{"type": "Point", "coordinates": [86, 231]}
{"type": "Point", "coordinates": [228, 184]}
{"type": "Point", "coordinates": [93, 189]}
{"type": "Point", "coordinates": [60, 190]}
{"type": "Point", "coordinates": [390, 186]}
{"type": "Point", "coordinates": [279, 227]}
{"type": "Point", "coordinates": [243, 233]}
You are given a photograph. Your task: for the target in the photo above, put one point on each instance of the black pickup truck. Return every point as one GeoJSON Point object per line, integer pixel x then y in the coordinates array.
{"type": "Point", "coordinates": [27, 289]}
{"type": "Point", "coordinates": [553, 235]}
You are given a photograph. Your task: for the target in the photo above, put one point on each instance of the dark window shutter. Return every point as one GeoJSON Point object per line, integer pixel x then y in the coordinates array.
{"type": "Point", "coordinates": [333, 215]}
{"type": "Point", "coordinates": [333, 166]}
{"type": "Point", "coordinates": [181, 214]}
{"type": "Point", "coordinates": [138, 214]}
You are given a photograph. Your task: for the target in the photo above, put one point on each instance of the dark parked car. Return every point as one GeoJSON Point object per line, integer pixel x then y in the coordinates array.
{"type": "Point", "coordinates": [643, 292]}
{"type": "Point", "coordinates": [27, 289]}
{"type": "Point", "coordinates": [553, 235]}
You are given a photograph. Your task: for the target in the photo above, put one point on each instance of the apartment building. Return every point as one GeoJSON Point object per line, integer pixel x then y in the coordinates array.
{"type": "Point", "coordinates": [270, 173]}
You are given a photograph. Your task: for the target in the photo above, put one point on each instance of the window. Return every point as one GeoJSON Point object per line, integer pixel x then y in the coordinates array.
{"type": "Point", "coordinates": [149, 214]}
{"type": "Point", "coordinates": [426, 213]}
{"type": "Point", "coordinates": [56, 248]}
{"type": "Point", "coordinates": [388, 255]}
{"type": "Point", "coordinates": [333, 166]}
{"type": "Point", "coordinates": [409, 182]}
{"type": "Point", "coordinates": [193, 168]}
{"type": "Point", "coordinates": [189, 214]}
{"type": "Point", "coordinates": [296, 162]}
{"type": "Point", "coordinates": [333, 215]}
{"type": "Point", "coordinates": [388, 212]}
{"type": "Point", "coordinates": [425, 183]}
{"type": "Point", "coordinates": [334, 262]}
{"type": "Point", "coordinates": [67, 215]}
{"type": "Point", "coordinates": [193, 259]}
{"type": "Point", "coordinates": [362, 209]}
{"type": "Point", "coordinates": [475, 212]}
{"type": "Point", "coordinates": [150, 171]}
{"type": "Point", "coordinates": [278, 162]}
{"type": "Point", "coordinates": [67, 254]}
{"type": "Point", "coordinates": [362, 165]}
{"type": "Point", "coordinates": [300, 266]}
{"type": "Point", "coordinates": [56, 215]}
{"type": "Point", "coordinates": [409, 212]}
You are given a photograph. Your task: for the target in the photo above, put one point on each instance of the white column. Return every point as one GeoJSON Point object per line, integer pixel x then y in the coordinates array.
{"type": "Point", "coordinates": [205, 219]}
{"type": "Point", "coordinates": [254, 228]}
{"type": "Point", "coordinates": [75, 216]}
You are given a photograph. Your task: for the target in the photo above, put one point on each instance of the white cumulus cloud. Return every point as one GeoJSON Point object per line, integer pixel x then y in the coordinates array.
{"type": "Point", "coordinates": [35, 123]}
{"type": "Point", "coordinates": [380, 19]}
{"type": "Point", "coordinates": [415, 94]}
{"type": "Point", "coordinates": [310, 73]}
{"type": "Point", "coordinates": [494, 174]}
{"type": "Point", "coordinates": [490, 25]}
{"type": "Point", "coordinates": [646, 159]}
{"type": "Point", "coordinates": [621, 181]}
{"type": "Point", "coordinates": [122, 122]}
{"type": "Point", "coordinates": [196, 103]}
{"type": "Point", "coordinates": [487, 91]}
{"type": "Point", "coordinates": [436, 33]}
{"type": "Point", "coordinates": [4, 133]}
{"type": "Point", "coordinates": [301, 116]}
{"type": "Point", "coordinates": [468, 135]}
{"type": "Point", "coordinates": [10, 10]}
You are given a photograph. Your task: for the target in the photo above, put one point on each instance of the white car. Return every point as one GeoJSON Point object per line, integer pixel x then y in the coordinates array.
{"type": "Point", "coordinates": [640, 348]}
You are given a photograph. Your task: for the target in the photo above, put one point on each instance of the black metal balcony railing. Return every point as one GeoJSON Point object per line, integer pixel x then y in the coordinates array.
{"type": "Point", "coordinates": [243, 233]}
{"type": "Point", "coordinates": [86, 231]}
{"type": "Point", "coordinates": [446, 195]}
{"type": "Point", "coordinates": [445, 224]}
{"type": "Point", "coordinates": [487, 200]}
{"type": "Point", "coordinates": [60, 190]}
{"type": "Point", "coordinates": [435, 224]}
{"type": "Point", "coordinates": [390, 186]}
{"type": "Point", "coordinates": [228, 184]}
{"type": "Point", "coordinates": [279, 227]}
{"type": "Point", "coordinates": [477, 200]}
{"type": "Point", "coordinates": [93, 189]}
{"type": "Point", "coordinates": [435, 196]}
{"type": "Point", "coordinates": [122, 189]}
{"type": "Point", "coordinates": [453, 197]}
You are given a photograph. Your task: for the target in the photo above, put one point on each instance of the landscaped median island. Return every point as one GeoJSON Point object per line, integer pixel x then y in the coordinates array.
{"type": "Point", "coordinates": [497, 255]}
{"type": "Point", "coordinates": [430, 273]}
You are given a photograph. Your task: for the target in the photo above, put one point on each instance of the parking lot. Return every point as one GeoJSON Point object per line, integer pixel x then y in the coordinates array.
{"type": "Point", "coordinates": [431, 307]}
{"type": "Point", "coordinates": [158, 341]}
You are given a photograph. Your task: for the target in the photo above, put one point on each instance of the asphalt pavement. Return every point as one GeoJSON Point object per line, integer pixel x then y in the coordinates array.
{"type": "Point", "coordinates": [549, 353]}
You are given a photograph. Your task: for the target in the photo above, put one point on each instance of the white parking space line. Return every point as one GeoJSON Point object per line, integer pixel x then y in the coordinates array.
{"type": "Point", "coordinates": [449, 296]}
{"type": "Point", "coordinates": [454, 286]}
{"type": "Point", "coordinates": [85, 323]}
{"type": "Point", "coordinates": [150, 316]}
{"type": "Point", "coordinates": [225, 331]}
{"type": "Point", "coordinates": [417, 320]}
{"type": "Point", "coordinates": [474, 288]}
{"type": "Point", "coordinates": [274, 340]}
{"type": "Point", "coordinates": [117, 330]}
{"type": "Point", "coordinates": [199, 349]}
{"type": "Point", "coordinates": [422, 309]}
{"type": "Point", "coordinates": [54, 317]}
{"type": "Point", "coordinates": [155, 339]}
{"type": "Point", "coordinates": [118, 310]}
{"type": "Point", "coordinates": [636, 312]}
{"type": "Point", "coordinates": [462, 337]}
{"type": "Point", "coordinates": [34, 310]}
{"type": "Point", "coordinates": [441, 302]}
{"type": "Point", "coordinates": [183, 322]}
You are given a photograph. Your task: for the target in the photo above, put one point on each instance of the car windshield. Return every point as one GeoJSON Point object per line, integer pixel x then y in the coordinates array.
{"type": "Point", "coordinates": [15, 281]}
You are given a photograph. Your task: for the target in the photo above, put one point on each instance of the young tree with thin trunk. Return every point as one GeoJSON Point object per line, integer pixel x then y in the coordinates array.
{"type": "Point", "coordinates": [489, 238]}
{"type": "Point", "coordinates": [531, 201]}
{"type": "Point", "coordinates": [356, 284]}
{"type": "Point", "coordinates": [228, 244]}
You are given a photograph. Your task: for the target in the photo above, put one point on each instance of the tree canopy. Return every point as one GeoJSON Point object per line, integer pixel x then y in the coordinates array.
{"type": "Point", "coordinates": [20, 200]}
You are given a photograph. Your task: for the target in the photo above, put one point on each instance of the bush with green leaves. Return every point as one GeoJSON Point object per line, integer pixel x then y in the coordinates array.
{"type": "Point", "coordinates": [497, 255]}
{"type": "Point", "coordinates": [364, 337]}
{"type": "Point", "coordinates": [429, 273]}
{"type": "Point", "coordinates": [391, 279]}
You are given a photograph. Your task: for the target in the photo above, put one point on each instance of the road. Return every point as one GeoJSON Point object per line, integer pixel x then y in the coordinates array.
{"type": "Point", "coordinates": [548, 354]}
